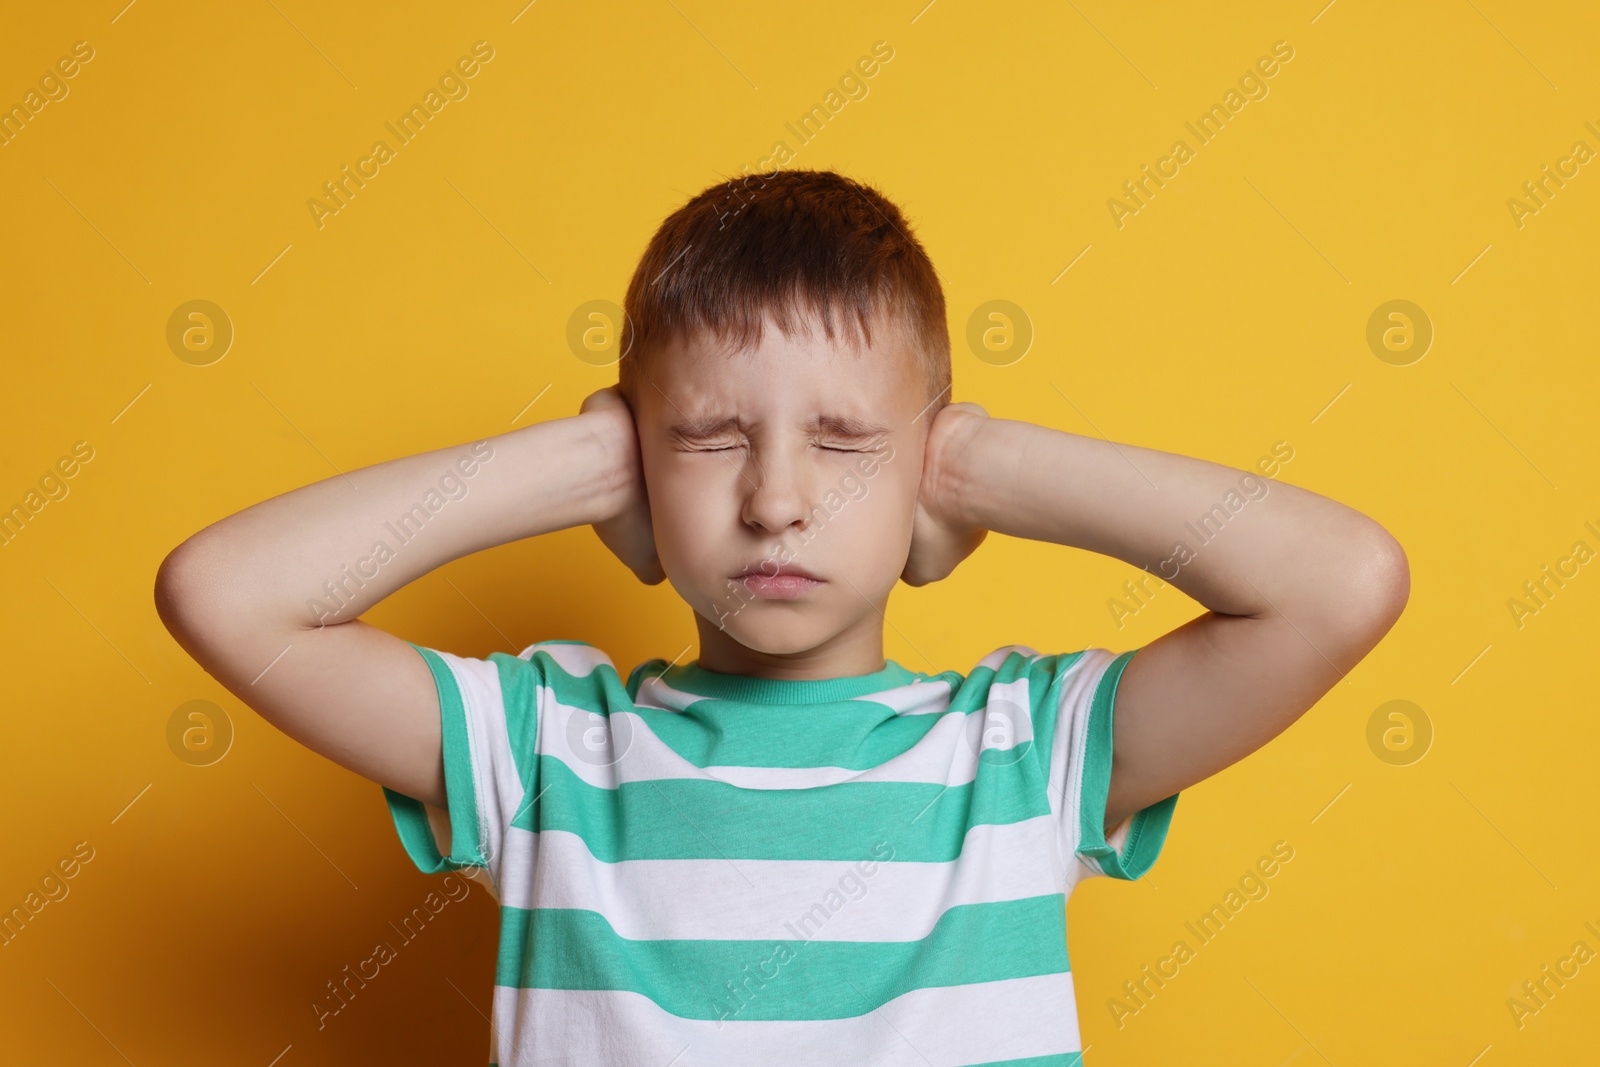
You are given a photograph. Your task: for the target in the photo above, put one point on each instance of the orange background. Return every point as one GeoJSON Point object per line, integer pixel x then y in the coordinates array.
{"type": "Point", "coordinates": [1227, 314]}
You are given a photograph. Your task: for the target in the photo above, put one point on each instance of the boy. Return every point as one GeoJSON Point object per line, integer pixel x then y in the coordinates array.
{"type": "Point", "coordinates": [789, 849]}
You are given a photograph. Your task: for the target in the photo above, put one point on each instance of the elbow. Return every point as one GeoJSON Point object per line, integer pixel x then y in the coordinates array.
{"type": "Point", "coordinates": [178, 589]}
{"type": "Point", "coordinates": [170, 588]}
{"type": "Point", "coordinates": [1382, 581]}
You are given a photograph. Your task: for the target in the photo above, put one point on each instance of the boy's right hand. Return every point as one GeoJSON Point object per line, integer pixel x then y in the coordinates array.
{"type": "Point", "coordinates": [627, 533]}
{"type": "Point", "coordinates": [941, 540]}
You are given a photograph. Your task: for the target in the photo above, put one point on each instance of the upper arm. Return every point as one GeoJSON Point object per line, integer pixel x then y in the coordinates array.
{"type": "Point", "coordinates": [349, 691]}
{"type": "Point", "coordinates": [1219, 687]}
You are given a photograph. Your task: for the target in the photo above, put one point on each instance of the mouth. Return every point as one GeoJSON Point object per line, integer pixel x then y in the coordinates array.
{"type": "Point", "coordinates": [785, 581]}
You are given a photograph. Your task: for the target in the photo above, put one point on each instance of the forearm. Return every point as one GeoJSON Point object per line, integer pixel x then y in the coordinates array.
{"type": "Point", "coordinates": [1237, 542]}
{"type": "Point", "coordinates": [327, 552]}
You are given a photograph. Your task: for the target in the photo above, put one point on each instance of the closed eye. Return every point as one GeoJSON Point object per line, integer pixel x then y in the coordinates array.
{"type": "Point", "coordinates": [729, 448]}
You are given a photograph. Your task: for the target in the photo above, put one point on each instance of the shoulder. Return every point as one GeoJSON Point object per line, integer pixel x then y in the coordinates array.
{"type": "Point", "coordinates": [1019, 681]}
{"type": "Point", "coordinates": [574, 659]}
{"type": "Point", "coordinates": [568, 665]}
{"type": "Point", "coordinates": [1018, 671]}
{"type": "Point", "coordinates": [1013, 664]}
{"type": "Point", "coordinates": [574, 672]}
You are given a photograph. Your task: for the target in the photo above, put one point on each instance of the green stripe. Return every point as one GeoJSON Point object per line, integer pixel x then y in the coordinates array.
{"type": "Point", "coordinates": [1149, 827]}
{"type": "Point", "coordinates": [1046, 676]}
{"type": "Point", "coordinates": [689, 818]}
{"type": "Point", "coordinates": [856, 735]}
{"type": "Point", "coordinates": [411, 818]}
{"type": "Point", "coordinates": [520, 680]}
{"type": "Point", "coordinates": [781, 979]}
{"type": "Point", "coordinates": [599, 689]}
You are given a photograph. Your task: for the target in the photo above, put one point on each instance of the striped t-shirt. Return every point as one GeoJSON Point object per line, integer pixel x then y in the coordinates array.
{"type": "Point", "coordinates": [705, 869]}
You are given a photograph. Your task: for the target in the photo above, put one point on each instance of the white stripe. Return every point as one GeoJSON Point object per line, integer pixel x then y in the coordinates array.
{"type": "Point", "coordinates": [913, 698]}
{"type": "Point", "coordinates": [517, 876]}
{"type": "Point", "coordinates": [578, 660]}
{"type": "Point", "coordinates": [994, 659]}
{"type": "Point", "coordinates": [654, 693]}
{"type": "Point", "coordinates": [494, 771]}
{"type": "Point", "coordinates": [788, 900]}
{"type": "Point", "coordinates": [947, 1026]}
{"type": "Point", "coordinates": [1068, 747]}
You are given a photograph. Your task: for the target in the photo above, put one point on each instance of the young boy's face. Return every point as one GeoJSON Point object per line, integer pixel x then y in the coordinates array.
{"type": "Point", "coordinates": [799, 453]}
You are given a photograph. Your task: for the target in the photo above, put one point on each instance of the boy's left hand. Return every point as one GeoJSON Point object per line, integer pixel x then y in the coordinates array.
{"type": "Point", "coordinates": [940, 539]}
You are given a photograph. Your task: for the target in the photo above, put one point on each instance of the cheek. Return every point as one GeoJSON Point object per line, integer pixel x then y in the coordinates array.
{"type": "Point", "coordinates": [876, 520]}
{"type": "Point", "coordinates": [682, 512]}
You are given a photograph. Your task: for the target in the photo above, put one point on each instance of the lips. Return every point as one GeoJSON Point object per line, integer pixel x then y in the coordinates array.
{"type": "Point", "coordinates": [783, 581]}
{"type": "Point", "coordinates": [767, 569]}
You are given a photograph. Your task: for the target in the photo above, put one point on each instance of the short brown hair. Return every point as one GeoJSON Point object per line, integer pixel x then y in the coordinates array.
{"type": "Point", "coordinates": [800, 244]}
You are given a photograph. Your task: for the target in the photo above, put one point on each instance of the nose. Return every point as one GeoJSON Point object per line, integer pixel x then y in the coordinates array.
{"type": "Point", "coordinates": [776, 496]}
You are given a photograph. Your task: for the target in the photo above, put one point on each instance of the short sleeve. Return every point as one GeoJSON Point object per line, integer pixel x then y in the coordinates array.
{"type": "Point", "coordinates": [1078, 705]}
{"type": "Point", "coordinates": [488, 711]}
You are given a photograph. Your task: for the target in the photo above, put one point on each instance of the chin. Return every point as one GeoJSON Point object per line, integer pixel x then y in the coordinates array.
{"type": "Point", "coordinates": [773, 635]}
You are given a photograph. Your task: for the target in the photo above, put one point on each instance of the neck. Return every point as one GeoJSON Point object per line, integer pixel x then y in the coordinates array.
{"type": "Point", "coordinates": [854, 651]}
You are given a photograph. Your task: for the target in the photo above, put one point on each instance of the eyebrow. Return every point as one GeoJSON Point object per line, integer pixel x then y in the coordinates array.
{"type": "Point", "coordinates": [836, 425]}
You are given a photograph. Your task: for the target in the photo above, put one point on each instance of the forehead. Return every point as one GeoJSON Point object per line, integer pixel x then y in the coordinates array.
{"type": "Point", "coordinates": [782, 376]}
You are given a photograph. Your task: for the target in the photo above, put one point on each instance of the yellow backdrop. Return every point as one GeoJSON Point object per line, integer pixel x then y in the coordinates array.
{"type": "Point", "coordinates": [1370, 267]}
